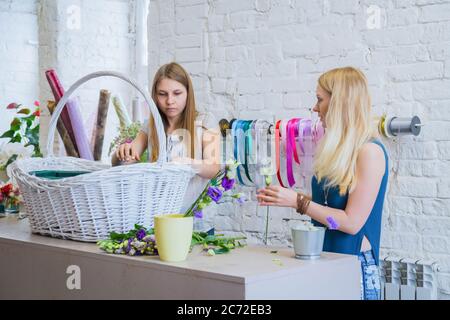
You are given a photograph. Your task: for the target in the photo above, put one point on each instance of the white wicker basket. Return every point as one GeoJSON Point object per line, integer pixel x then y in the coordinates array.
{"type": "Point", "coordinates": [88, 207]}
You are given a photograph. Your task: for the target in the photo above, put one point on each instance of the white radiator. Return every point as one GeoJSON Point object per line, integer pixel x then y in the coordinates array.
{"type": "Point", "coordinates": [408, 279]}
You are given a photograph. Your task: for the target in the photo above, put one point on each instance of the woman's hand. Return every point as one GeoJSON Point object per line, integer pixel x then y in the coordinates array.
{"type": "Point", "coordinates": [277, 196]}
{"type": "Point", "coordinates": [127, 152]}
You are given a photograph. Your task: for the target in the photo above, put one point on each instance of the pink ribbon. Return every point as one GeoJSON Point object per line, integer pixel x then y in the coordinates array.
{"type": "Point", "coordinates": [292, 131]}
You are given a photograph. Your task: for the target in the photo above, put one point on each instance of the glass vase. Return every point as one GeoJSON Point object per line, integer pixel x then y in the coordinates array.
{"type": "Point", "coordinates": [11, 207]}
{"type": "Point", "coordinates": [2, 209]}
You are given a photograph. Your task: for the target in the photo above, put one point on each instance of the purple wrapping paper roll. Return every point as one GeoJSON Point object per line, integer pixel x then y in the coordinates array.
{"type": "Point", "coordinates": [83, 146]}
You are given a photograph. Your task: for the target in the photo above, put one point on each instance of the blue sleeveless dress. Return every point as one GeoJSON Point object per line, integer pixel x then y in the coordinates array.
{"type": "Point", "coordinates": [340, 242]}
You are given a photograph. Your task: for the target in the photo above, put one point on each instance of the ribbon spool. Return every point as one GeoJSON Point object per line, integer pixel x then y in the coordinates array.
{"type": "Point", "coordinates": [394, 126]}
{"type": "Point", "coordinates": [224, 126]}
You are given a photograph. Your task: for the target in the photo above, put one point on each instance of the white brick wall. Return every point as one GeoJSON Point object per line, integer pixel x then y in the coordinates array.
{"type": "Point", "coordinates": [19, 80]}
{"type": "Point", "coordinates": [103, 41]}
{"type": "Point", "coordinates": [257, 58]}
{"type": "Point", "coordinates": [39, 35]}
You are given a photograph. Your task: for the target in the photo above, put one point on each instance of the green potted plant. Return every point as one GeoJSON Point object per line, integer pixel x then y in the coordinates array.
{"type": "Point", "coordinates": [23, 136]}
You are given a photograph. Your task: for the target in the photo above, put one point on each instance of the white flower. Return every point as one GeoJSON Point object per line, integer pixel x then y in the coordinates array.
{"type": "Point", "coordinates": [231, 174]}
{"type": "Point", "coordinates": [266, 168]}
{"type": "Point", "coordinates": [232, 164]}
{"type": "Point", "coordinates": [10, 149]}
{"type": "Point", "coordinates": [231, 167]}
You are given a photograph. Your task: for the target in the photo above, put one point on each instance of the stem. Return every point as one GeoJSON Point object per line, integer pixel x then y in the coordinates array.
{"type": "Point", "coordinates": [205, 190]}
{"type": "Point", "coordinates": [267, 224]}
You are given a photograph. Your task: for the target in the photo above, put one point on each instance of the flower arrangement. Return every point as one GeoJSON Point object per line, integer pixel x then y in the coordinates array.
{"type": "Point", "coordinates": [216, 189]}
{"type": "Point", "coordinates": [136, 242]}
{"type": "Point", "coordinates": [127, 133]}
{"type": "Point", "coordinates": [23, 135]}
{"type": "Point", "coordinates": [141, 241]}
{"type": "Point", "coordinates": [10, 195]}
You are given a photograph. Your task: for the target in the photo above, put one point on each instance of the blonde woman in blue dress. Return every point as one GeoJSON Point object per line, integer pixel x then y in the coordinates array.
{"type": "Point", "coordinates": [350, 175]}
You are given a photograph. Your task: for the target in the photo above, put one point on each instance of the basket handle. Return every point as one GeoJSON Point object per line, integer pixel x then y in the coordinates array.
{"type": "Point", "coordinates": [153, 111]}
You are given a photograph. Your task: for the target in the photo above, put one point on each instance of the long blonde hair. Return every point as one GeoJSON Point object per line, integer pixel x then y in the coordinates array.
{"type": "Point", "coordinates": [349, 127]}
{"type": "Point", "coordinates": [176, 72]}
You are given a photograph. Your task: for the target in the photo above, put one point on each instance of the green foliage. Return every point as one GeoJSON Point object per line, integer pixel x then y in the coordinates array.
{"type": "Point", "coordinates": [25, 129]}
{"type": "Point", "coordinates": [218, 243]}
{"type": "Point", "coordinates": [120, 243]}
{"type": "Point", "coordinates": [127, 134]}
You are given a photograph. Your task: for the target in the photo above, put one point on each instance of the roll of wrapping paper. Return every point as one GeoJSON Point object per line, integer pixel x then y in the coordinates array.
{"type": "Point", "coordinates": [68, 145]}
{"type": "Point", "coordinates": [121, 111]}
{"type": "Point", "coordinates": [58, 92]}
{"type": "Point", "coordinates": [83, 145]}
{"type": "Point", "coordinates": [102, 114]}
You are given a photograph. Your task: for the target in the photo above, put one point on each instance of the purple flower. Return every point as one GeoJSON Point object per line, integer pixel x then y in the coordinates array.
{"type": "Point", "coordinates": [128, 248]}
{"type": "Point", "coordinates": [241, 199]}
{"type": "Point", "coordinates": [198, 214]}
{"type": "Point", "coordinates": [215, 193]}
{"type": "Point", "coordinates": [227, 184]}
{"type": "Point", "coordinates": [332, 224]}
{"type": "Point", "coordinates": [140, 234]}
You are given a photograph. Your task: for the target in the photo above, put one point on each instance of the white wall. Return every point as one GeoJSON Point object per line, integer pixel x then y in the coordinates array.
{"type": "Point", "coordinates": [41, 35]}
{"type": "Point", "coordinates": [259, 58]}
{"type": "Point", "coordinates": [81, 37]}
{"type": "Point", "coordinates": [19, 81]}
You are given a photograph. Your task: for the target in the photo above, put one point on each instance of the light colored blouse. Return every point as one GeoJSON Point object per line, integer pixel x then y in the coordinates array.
{"type": "Point", "coordinates": [177, 149]}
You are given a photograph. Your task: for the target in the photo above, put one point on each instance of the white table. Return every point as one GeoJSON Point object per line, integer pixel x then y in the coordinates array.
{"type": "Point", "coordinates": [35, 267]}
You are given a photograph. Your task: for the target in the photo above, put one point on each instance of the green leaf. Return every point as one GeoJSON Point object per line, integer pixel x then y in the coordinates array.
{"type": "Point", "coordinates": [8, 134]}
{"type": "Point", "coordinates": [29, 122]}
{"type": "Point", "coordinates": [11, 160]}
{"type": "Point", "coordinates": [116, 236]}
{"type": "Point", "coordinates": [221, 250]}
{"type": "Point", "coordinates": [16, 138]}
{"type": "Point", "coordinates": [33, 139]}
{"type": "Point", "coordinates": [24, 111]}
{"type": "Point", "coordinates": [16, 127]}
{"type": "Point", "coordinates": [210, 238]}
{"type": "Point", "coordinates": [16, 122]}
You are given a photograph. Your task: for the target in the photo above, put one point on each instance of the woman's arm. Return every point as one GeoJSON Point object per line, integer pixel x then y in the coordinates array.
{"type": "Point", "coordinates": [369, 171]}
{"type": "Point", "coordinates": [131, 152]}
{"type": "Point", "coordinates": [211, 153]}
{"type": "Point", "coordinates": [209, 165]}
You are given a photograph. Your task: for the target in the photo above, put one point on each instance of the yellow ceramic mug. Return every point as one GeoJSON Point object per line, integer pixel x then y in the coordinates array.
{"type": "Point", "coordinates": [173, 235]}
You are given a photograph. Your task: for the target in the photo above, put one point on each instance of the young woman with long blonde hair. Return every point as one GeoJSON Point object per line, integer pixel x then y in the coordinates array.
{"type": "Point", "coordinates": [350, 175]}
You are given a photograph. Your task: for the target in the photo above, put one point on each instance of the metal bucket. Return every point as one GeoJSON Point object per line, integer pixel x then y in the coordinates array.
{"type": "Point", "coordinates": [308, 244]}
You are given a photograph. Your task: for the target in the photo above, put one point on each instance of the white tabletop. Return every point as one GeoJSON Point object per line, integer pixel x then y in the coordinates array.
{"type": "Point", "coordinates": [250, 265]}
